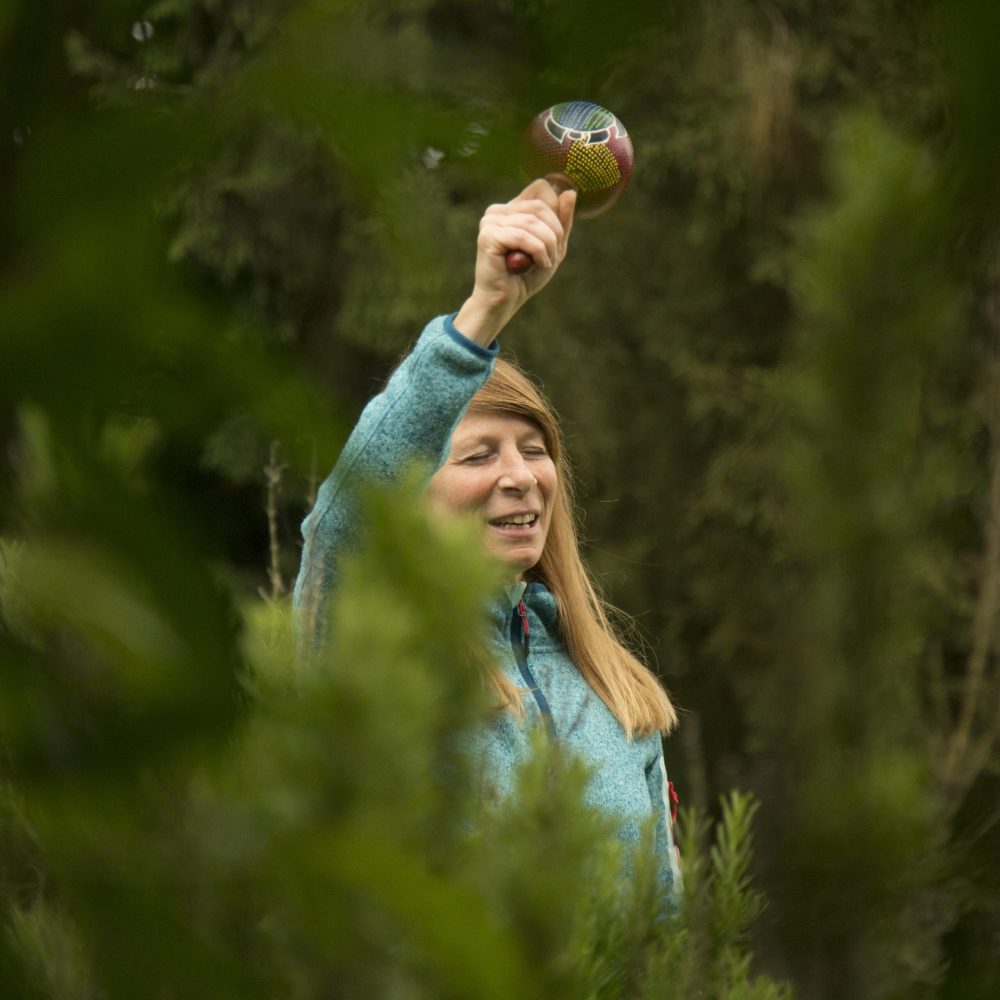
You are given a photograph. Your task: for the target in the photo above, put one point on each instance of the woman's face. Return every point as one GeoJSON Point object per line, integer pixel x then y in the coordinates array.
{"type": "Point", "coordinates": [499, 471]}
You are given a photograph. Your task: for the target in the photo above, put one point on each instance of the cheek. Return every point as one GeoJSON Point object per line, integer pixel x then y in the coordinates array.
{"type": "Point", "coordinates": [436, 493]}
{"type": "Point", "coordinates": [548, 481]}
{"type": "Point", "coordinates": [453, 492]}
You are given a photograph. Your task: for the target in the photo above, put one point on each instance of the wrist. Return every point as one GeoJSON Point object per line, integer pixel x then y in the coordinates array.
{"type": "Point", "coordinates": [480, 323]}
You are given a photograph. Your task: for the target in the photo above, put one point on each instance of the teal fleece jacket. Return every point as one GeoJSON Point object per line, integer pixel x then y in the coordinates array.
{"type": "Point", "coordinates": [413, 419]}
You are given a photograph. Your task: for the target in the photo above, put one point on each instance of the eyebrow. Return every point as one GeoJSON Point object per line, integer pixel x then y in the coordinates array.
{"type": "Point", "coordinates": [474, 440]}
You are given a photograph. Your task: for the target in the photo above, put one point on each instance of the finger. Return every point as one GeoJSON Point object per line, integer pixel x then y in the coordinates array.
{"type": "Point", "coordinates": [547, 226]}
{"type": "Point", "coordinates": [567, 213]}
{"type": "Point", "coordinates": [541, 189]}
{"type": "Point", "coordinates": [535, 215]}
{"type": "Point", "coordinates": [517, 238]}
{"type": "Point", "coordinates": [502, 227]}
{"type": "Point", "coordinates": [542, 208]}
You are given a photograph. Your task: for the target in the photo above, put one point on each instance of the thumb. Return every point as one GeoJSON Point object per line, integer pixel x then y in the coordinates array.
{"type": "Point", "coordinates": [567, 212]}
{"type": "Point", "coordinates": [541, 188]}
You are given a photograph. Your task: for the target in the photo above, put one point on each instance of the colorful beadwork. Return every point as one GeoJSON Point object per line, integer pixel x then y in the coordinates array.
{"type": "Point", "coordinates": [586, 144]}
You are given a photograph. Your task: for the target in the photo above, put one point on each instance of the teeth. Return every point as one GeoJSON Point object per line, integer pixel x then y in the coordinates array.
{"type": "Point", "coordinates": [516, 519]}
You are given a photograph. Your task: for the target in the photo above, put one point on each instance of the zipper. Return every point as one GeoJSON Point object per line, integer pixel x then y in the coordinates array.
{"type": "Point", "coordinates": [520, 645]}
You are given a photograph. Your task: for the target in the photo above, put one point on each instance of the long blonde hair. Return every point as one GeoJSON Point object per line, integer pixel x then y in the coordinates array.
{"type": "Point", "coordinates": [626, 686]}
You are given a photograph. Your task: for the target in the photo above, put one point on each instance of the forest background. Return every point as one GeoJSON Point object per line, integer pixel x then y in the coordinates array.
{"type": "Point", "coordinates": [778, 362]}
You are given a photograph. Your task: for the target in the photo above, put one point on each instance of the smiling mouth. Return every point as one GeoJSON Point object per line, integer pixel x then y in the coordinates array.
{"type": "Point", "coordinates": [514, 521]}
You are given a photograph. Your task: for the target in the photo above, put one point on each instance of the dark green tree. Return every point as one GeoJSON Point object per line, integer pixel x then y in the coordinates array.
{"type": "Point", "coordinates": [776, 359]}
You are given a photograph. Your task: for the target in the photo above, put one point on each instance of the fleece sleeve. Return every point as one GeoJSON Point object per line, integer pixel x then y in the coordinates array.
{"type": "Point", "coordinates": [412, 419]}
{"type": "Point", "coordinates": [663, 809]}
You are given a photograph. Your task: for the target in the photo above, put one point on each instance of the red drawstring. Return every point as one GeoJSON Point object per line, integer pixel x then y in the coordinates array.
{"type": "Point", "coordinates": [523, 612]}
{"type": "Point", "coordinates": [674, 800]}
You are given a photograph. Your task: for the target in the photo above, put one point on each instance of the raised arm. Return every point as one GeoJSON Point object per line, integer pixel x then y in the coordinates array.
{"type": "Point", "coordinates": [415, 415]}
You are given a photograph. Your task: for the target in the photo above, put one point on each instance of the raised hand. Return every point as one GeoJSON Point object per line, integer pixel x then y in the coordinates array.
{"type": "Point", "coordinates": [538, 222]}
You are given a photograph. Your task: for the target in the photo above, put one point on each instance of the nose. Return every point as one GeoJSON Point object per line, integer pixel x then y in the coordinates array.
{"type": "Point", "coordinates": [515, 474]}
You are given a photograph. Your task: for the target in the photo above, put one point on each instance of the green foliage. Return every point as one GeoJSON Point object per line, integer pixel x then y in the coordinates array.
{"type": "Point", "coordinates": [332, 834]}
{"type": "Point", "coordinates": [185, 811]}
{"type": "Point", "coordinates": [737, 905]}
{"type": "Point", "coordinates": [776, 360]}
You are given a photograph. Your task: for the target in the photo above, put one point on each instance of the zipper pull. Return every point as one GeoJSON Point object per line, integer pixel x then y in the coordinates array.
{"type": "Point", "coordinates": [523, 612]}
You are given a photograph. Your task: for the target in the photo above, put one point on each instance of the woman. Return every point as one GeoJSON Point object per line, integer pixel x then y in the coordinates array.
{"type": "Point", "coordinates": [495, 445]}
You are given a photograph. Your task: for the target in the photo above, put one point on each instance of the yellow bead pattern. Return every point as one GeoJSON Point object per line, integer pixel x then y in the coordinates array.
{"type": "Point", "coordinates": [592, 167]}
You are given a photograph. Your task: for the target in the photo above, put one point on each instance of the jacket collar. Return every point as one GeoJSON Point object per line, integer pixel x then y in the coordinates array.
{"type": "Point", "coordinates": [537, 599]}
{"type": "Point", "coordinates": [514, 593]}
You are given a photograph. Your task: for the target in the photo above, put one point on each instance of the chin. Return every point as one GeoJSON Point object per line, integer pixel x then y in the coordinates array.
{"type": "Point", "coordinates": [521, 565]}
{"type": "Point", "coordinates": [517, 562]}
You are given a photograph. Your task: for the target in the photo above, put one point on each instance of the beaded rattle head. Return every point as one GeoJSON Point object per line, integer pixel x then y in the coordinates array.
{"type": "Point", "coordinates": [587, 145]}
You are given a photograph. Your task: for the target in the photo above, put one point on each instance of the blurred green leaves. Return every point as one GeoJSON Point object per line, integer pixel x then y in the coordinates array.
{"type": "Point", "coordinates": [335, 837]}
{"type": "Point", "coordinates": [776, 361]}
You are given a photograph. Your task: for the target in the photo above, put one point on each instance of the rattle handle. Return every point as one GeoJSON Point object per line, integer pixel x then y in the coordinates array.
{"type": "Point", "coordinates": [518, 262]}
